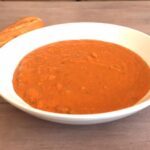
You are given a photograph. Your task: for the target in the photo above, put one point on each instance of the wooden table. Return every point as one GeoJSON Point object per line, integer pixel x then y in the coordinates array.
{"type": "Point", "coordinates": [21, 131]}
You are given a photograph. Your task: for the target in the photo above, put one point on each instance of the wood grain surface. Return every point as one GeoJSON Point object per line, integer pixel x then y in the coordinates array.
{"type": "Point", "coordinates": [73, 0]}
{"type": "Point", "coordinates": [19, 130]}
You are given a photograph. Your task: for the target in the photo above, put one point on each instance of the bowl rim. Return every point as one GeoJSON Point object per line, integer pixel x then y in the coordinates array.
{"type": "Point", "coordinates": [104, 115]}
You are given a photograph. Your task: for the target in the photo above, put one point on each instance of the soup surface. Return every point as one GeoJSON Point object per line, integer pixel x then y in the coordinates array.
{"type": "Point", "coordinates": [81, 77]}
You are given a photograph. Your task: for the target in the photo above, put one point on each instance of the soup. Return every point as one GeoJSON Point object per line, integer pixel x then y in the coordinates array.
{"type": "Point", "coordinates": [81, 77]}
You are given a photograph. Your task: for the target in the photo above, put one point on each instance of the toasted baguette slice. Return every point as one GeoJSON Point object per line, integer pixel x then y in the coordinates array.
{"type": "Point", "coordinates": [19, 27]}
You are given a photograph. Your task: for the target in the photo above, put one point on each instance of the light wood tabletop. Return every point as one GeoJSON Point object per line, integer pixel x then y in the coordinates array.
{"type": "Point", "coordinates": [19, 130]}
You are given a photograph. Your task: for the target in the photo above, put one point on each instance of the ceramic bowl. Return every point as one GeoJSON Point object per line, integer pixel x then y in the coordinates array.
{"type": "Point", "coordinates": [15, 50]}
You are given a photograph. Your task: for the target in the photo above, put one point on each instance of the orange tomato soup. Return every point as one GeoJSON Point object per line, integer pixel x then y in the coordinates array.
{"type": "Point", "coordinates": [81, 77]}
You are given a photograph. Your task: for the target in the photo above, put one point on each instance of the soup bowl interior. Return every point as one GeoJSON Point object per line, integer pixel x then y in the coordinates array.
{"type": "Point", "coordinates": [15, 50]}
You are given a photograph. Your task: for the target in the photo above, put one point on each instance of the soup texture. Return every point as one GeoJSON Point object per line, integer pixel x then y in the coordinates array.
{"type": "Point", "coordinates": [81, 77]}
